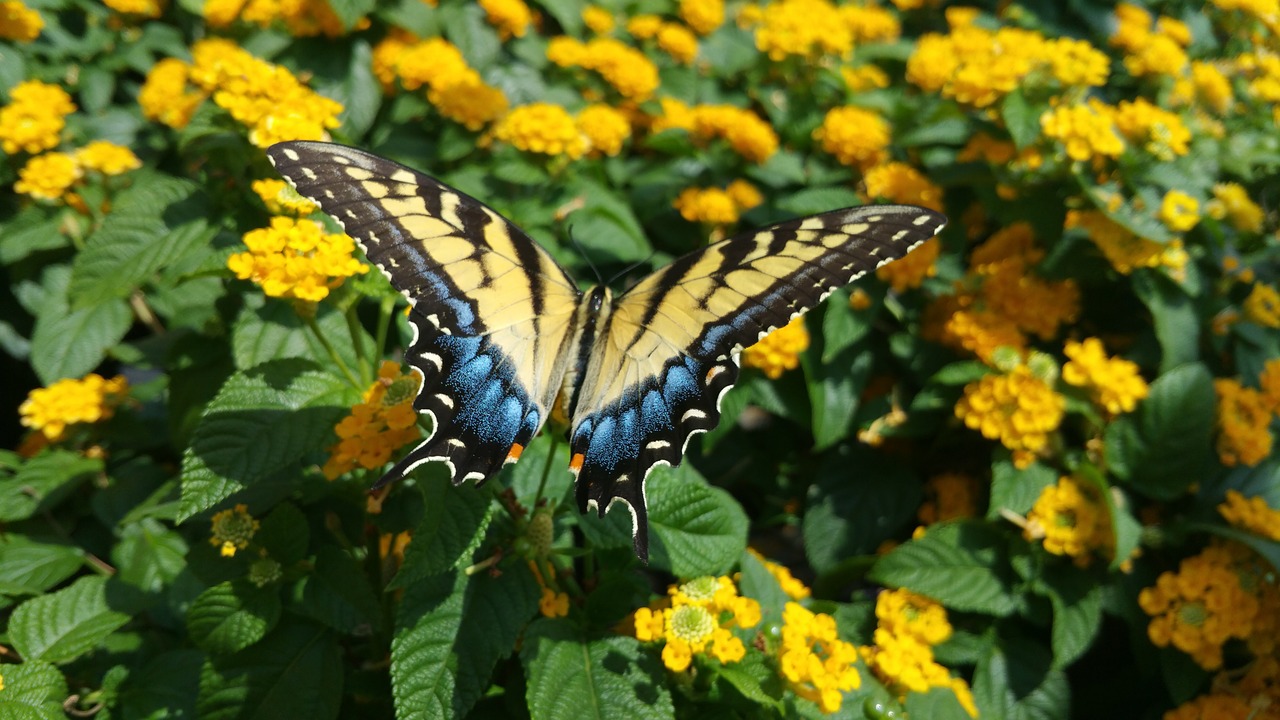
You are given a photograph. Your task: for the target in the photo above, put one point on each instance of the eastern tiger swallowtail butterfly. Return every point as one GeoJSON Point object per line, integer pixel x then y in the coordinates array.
{"type": "Point", "coordinates": [502, 333]}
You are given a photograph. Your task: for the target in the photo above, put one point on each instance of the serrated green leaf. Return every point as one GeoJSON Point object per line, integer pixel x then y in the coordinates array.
{"type": "Point", "coordinates": [812, 201]}
{"type": "Point", "coordinates": [284, 534]}
{"type": "Point", "coordinates": [695, 529]}
{"type": "Point", "coordinates": [33, 690]}
{"type": "Point", "coordinates": [575, 678]}
{"type": "Point", "coordinates": [1014, 681]}
{"type": "Point", "coordinates": [31, 566]}
{"type": "Point", "coordinates": [1166, 444]}
{"type": "Point", "coordinates": [465, 27]}
{"type": "Point", "coordinates": [1177, 322]}
{"type": "Point", "coordinates": [96, 330]}
{"type": "Point", "coordinates": [939, 703]}
{"type": "Point", "coordinates": [451, 528]}
{"type": "Point", "coordinates": [149, 555]}
{"type": "Point", "coordinates": [962, 565]}
{"type": "Point", "coordinates": [231, 616]}
{"type": "Point", "coordinates": [1017, 490]}
{"type": "Point", "coordinates": [337, 593]}
{"type": "Point", "coordinates": [756, 678]}
{"type": "Point", "coordinates": [166, 687]}
{"type": "Point", "coordinates": [496, 613]}
{"type": "Point", "coordinates": [859, 499]}
{"type": "Point", "coordinates": [30, 232]}
{"type": "Point", "coordinates": [42, 482]}
{"type": "Point", "coordinates": [607, 226]}
{"type": "Point", "coordinates": [66, 624]}
{"type": "Point", "coordinates": [1021, 118]}
{"type": "Point", "coordinates": [262, 420]}
{"type": "Point", "coordinates": [296, 671]}
{"type": "Point", "coordinates": [269, 329]}
{"type": "Point", "coordinates": [1077, 612]}
{"type": "Point", "coordinates": [835, 391]}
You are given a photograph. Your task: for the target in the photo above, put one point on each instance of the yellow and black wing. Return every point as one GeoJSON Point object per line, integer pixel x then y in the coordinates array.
{"type": "Point", "coordinates": [492, 311]}
{"type": "Point", "coordinates": [669, 350]}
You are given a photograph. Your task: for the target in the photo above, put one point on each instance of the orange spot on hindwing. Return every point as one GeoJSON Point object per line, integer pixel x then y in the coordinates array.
{"type": "Point", "coordinates": [514, 453]}
{"type": "Point", "coordinates": [575, 463]}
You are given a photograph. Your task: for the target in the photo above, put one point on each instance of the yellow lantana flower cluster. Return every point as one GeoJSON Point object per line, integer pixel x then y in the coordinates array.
{"type": "Point", "coordinates": [233, 529]}
{"type": "Point", "coordinates": [978, 67]}
{"type": "Point", "coordinates": [1070, 519]}
{"type": "Point", "coordinates": [34, 118]}
{"type": "Point", "coordinates": [806, 28]}
{"type": "Point", "coordinates": [1244, 423]}
{"type": "Point", "coordinates": [512, 18]}
{"type": "Point", "coordinates": [908, 626]}
{"type": "Point", "coordinates": [301, 18]}
{"type": "Point", "coordinates": [383, 422]}
{"type": "Point", "coordinates": [1232, 203]}
{"type": "Point", "coordinates": [790, 585]}
{"type": "Point", "coordinates": [452, 86]}
{"type": "Point", "coordinates": [672, 38]}
{"type": "Point", "coordinates": [265, 98]}
{"type": "Point", "coordinates": [50, 176]}
{"type": "Point", "coordinates": [542, 128]}
{"type": "Point", "coordinates": [698, 622]}
{"type": "Point", "coordinates": [858, 138]}
{"type": "Point", "coordinates": [1179, 211]}
{"type": "Point", "coordinates": [295, 258]}
{"type": "Point", "coordinates": [1114, 383]}
{"type": "Point", "coordinates": [704, 16]}
{"type": "Point", "coordinates": [779, 351]}
{"type": "Point", "coordinates": [1153, 49]}
{"type": "Point", "coordinates": [19, 22]}
{"type": "Point", "coordinates": [716, 206]}
{"type": "Point", "coordinates": [628, 70]}
{"type": "Point", "coordinates": [51, 410]}
{"type": "Point", "coordinates": [281, 199]}
{"type": "Point", "coordinates": [1200, 607]}
{"type": "Point", "coordinates": [1252, 514]}
{"type": "Point", "coordinates": [900, 183]}
{"type": "Point", "coordinates": [1125, 250]}
{"type": "Point", "coordinates": [605, 128]}
{"type": "Point", "coordinates": [747, 134]}
{"type": "Point", "coordinates": [819, 665]}
{"type": "Point", "coordinates": [1017, 408]}
{"type": "Point", "coordinates": [1263, 305]}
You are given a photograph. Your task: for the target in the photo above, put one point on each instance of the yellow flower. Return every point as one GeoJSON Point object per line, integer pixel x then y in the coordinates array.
{"type": "Point", "coordinates": [21, 23]}
{"type": "Point", "coordinates": [1269, 384]}
{"type": "Point", "coordinates": [953, 321]}
{"type": "Point", "coordinates": [1244, 424]}
{"type": "Point", "coordinates": [744, 194]}
{"type": "Point", "coordinates": [948, 496]}
{"type": "Point", "coordinates": [281, 199]}
{"type": "Point", "coordinates": [1200, 607]}
{"type": "Point", "coordinates": [1016, 408]}
{"type": "Point", "coordinates": [905, 613]}
{"type": "Point", "coordinates": [1115, 383]}
{"type": "Point", "coordinates": [802, 28]}
{"type": "Point", "coordinates": [868, 23]}
{"type": "Point", "coordinates": [819, 665]}
{"type": "Point", "coordinates": [1123, 249]}
{"type": "Point", "coordinates": [48, 176]}
{"type": "Point", "coordinates": [1231, 201]}
{"type": "Point", "coordinates": [1086, 131]}
{"type": "Point", "coordinates": [553, 604]}
{"type": "Point", "coordinates": [107, 158]}
{"type": "Point", "coordinates": [698, 621]}
{"type": "Point", "coordinates": [794, 589]}
{"type": "Point", "coordinates": [1070, 520]}
{"type": "Point", "coordinates": [708, 205]}
{"type": "Point", "coordinates": [598, 19]}
{"type": "Point", "coordinates": [164, 96]}
{"type": "Point", "coordinates": [911, 270]}
{"type": "Point", "coordinates": [703, 16]}
{"type": "Point", "coordinates": [899, 182]}
{"type": "Point", "coordinates": [1263, 305]}
{"type": "Point", "coordinates": [1179, 211]}
{"type": "Point", "coordinates": [430, 63]}
{"type": "Point", "coordinates": [1076, 63]}
{"type": "Point", "coordinates": [468, 101]}
{"type": "Point", "coordinates": [1158, 131]}
{"type": "Point", "coordinates": [605, 129]}
{"type": "Point", "coordinates": [232, 530]}
{"type": "Point", "coordinates": [143, 8]}
{"type": "Point", "coordinates": [679, 42]}
{"type": "Point", "coordinates": [1215, 706]}
{"type": "Point", "coordinates": [296, 259]}
{"type": "Point", "coordinates": [864, 77]}
{"type": "Point", "coordinates": [67, 402]}
{"type": "Point", "coordinates": [1212, 86]}
{"type": "Point", "coordinates": [978, 67]}
{"type": "Point", "coordinates": [382, 423]}
{"type": "Point", "coordinates": [1252, 514]}
{"type": "Point", "coordinates": [302, 18]}
{"type": "Point", "coordinates": [542, 128]}
{"type": "Point", "coordinates": [633, 75]}
{"type": "Point", "coordinates": [644, 27]}
{"type": "Point", "coordinates": [747, 134]}
{"type": "Point", "coordinates": [34, 118]}
{"type": "Point", "coordinates": [778, 351]}
{"type": "Point", "coordinates": [858, 138]}
{"type": "Point", "coordinates": [511, 17]}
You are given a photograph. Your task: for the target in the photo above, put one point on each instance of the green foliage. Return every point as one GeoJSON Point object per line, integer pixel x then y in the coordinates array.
{"type": "Point", "coordinates": [201, 540]}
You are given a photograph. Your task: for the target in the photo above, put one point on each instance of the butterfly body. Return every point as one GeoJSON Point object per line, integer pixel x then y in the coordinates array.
{"type": "Point", "coordinates": [504, 337]}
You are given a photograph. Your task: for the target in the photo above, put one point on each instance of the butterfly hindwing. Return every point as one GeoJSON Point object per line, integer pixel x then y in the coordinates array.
{"type": "Point", "coordinates": [492, 312]}
{"type": "Point", "coordinates": [677, 335]}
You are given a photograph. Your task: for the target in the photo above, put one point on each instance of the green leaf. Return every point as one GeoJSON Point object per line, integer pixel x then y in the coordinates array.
{"type": "Point", "coordinates": [939, 702]}
{"type": "Point", "coordinates": [1017, 490]}
{"type": "Point", "coordinates": [28, 233]}
{"type": "Point", "coordinates": [269, 329]}
{"type": "Point", "coordinates": [31, 566]}
{"type": "Point", "coordinates": [944, 131]}
{"type": "Point", "coordinates": [166, 687]}
{"type": "Point", "coordinates": [451, 528]}
{"type": "Point", "coordinates": [465, 26]}
{"type": "Point", "coordinates": [64, 625]}
{"type": "Point", "coordinates": [835, 391]}
{"type": "Point", "coordinates": [577, 678]}
{"type": "Point", "coordinates": [1165, 446]}
{"type": "Point", "coordinates": [756, 678]}
{"type": "Point", "coordinates": [568, 14]}
{"type": "Point", "coordinates": [284, 534]}
{"type": "Point", "coordinates": [760, 584]}
{"type": "Point", "coordinates": [350, 11]}
{"type": "Point", "coordinates": [231, 616]}
{"type": "Point", "coordinates": [262, 421]}
{"type": "Point", "coordinates": [695, 529]}
{"type": "Point", "coordinates": [1077, 612]}
{"type": "Point", "coordinates": [149, 555]}
{"type": "Point", "coordinates": [860, 498]}
{"type": "Point", "coordinates": [607, 226]}
{"type": "Point", "coordinates": [1177, 322]}
{"type": "Point", "coordinates": [337, 593]}
{"type": "Point", "coordinates": [42, 482]}
{"type": "Point", "coordinates": [962, 565]}
{"type": "Point", "coordinates": [33, 690]}
{"type": "Point", "coordinates": [812, 201]}
{"type": "Point", "coordinates": [1021, 118]}
{"type": "Point", "coordinates": [296, 671]}
{"type": "Point", "coordinates": [1015, 681]}
{"type": "Point", "coordinates": [962, 372]}
{"type": "Point", "coordinates": [96, 330]}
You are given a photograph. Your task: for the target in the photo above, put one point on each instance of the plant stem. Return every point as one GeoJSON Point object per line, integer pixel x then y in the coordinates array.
{"type": "Point", "coordinates": [357, 334]}
{"type": "Point", "coordinates": [310, 320]}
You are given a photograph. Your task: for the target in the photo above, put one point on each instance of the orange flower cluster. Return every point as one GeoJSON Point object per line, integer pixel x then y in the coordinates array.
{"type": "Point", "coordinates": [1017, 408]}
{"type": "Point", "coordinates": [380, 425]}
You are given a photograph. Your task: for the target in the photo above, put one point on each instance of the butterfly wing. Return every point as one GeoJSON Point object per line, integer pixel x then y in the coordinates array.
{"type": "Point", "coordinates": [669, 349]}
{"type": "Point", "coordinates": [491, 310]}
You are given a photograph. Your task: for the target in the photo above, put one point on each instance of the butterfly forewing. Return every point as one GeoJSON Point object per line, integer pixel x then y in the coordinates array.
{"type": "Point", "coordinates": [492, 311]}
{"type": "Point", "coordinates": [670, 348]}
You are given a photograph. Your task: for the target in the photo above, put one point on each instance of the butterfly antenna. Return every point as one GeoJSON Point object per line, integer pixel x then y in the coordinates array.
{"type": "Point", "coordinates": [582, 252]}
{"type": "Point", "coordinates": [633, 266]}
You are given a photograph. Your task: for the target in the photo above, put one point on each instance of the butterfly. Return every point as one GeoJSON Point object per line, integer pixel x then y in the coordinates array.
{"type": "Point", "coordinates": [502, 333]}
